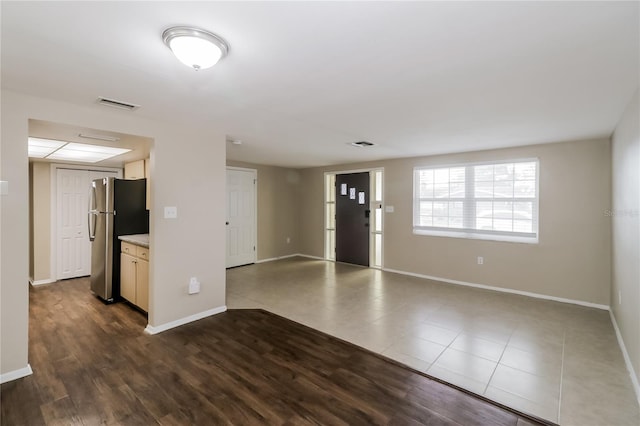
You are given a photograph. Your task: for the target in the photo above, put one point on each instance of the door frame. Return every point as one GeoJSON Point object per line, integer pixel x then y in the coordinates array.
{"type": "Point", "coordinates": [53, 208]}
{"type": "Point", "coordinates": [372, 189]}
{"type": "Point", "coordinates": [255, 204]}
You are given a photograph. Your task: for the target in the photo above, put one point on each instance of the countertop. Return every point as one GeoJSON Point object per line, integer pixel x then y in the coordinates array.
{"type": "Point", "coordinates": [137, 239]}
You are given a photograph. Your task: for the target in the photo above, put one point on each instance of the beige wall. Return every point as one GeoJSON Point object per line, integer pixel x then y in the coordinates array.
{"type": "Point", "coordinates": [625, 221]}
{"type": "Point", "coordinates": [278, 216]}
{"type": "Point", "coordinates": [571, 260]}
{"type": "Point", "coordinates": [40, 212]}
{"type": "Point", "coordinates": [14, 240]}
{"type": "Point", "coordinates": [191, 179]}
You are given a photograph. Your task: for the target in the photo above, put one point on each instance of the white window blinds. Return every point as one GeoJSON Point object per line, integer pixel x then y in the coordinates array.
{"type": "Point", "coordinates": [476, 200]}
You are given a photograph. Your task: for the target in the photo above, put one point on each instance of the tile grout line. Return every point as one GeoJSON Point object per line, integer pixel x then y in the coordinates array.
{"type": "Point", "coordinates": [498, 362]}
{"type": "Point", "coordinates": [444, 350]}
{"type": "Point", "coordinates": [564, 339]}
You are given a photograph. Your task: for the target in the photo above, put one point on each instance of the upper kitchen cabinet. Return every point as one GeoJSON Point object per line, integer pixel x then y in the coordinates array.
{"type": "Point", "coordinates": [134, 170]}
{"type": "Point", "coordinates": [140, 170]}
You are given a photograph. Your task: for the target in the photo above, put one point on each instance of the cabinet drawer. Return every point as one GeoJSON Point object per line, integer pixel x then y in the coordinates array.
{"type": "Point", "coordinates": [128, 248]}
{"type": "Point", "coordinates": [142, 252]}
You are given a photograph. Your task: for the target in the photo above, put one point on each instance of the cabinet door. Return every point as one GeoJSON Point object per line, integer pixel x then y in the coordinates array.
{"type": "Point", "coordinates": [142, 284]}
{"type": "Point", "coordinates": [128, 277]}
{"type": "Point", "coordinates": [134, 170]}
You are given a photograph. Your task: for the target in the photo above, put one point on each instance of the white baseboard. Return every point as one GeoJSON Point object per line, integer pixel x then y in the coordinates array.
{"type": "Point", "coordinates": [182, 321]}
{"type": "Point", "coordinates": [627, 360]}
{"type": "Point", "coordinates": [41, 282]}
{"type": "Point", "coordinates": [271, 259]}
{"type": "Point", "coordinates": [16, 374]}
{"type": "Point", "coordinates": [308, 256]}
{"type": "Point", "coordinates": [502, 289]}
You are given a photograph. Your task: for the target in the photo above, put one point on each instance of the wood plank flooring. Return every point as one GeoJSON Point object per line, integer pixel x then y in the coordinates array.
{"type": "Point", "coordinates": [93, 365]}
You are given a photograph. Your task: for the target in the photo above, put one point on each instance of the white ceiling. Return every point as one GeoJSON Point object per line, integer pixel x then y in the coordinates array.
{"type": "Point", "coordinates": [303, 79]}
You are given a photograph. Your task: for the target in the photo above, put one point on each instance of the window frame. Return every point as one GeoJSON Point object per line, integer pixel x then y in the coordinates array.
{"type": "Point", "coordinates": [469, 202]}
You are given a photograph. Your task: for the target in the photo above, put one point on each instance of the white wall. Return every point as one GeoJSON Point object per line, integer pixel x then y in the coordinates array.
{"type": "Point", "coordinates": [625, 226]}
{"type": "Point", "coordinates": [188, 168]}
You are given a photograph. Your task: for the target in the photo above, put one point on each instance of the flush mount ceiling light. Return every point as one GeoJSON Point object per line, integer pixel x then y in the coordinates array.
{"type": "Point", "coordinates": [196, 48]}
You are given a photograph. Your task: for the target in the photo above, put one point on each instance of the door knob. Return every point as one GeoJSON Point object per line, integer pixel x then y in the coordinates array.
{"type": "Point", "coordinates": [226, 223]}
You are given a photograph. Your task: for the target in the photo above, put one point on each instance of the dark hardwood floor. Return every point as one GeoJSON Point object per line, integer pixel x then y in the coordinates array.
{"type": "Point", "coordinates": [94, 365]}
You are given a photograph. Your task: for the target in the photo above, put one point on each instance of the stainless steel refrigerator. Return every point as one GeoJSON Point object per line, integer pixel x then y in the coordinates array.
{"type": "Point", "coordinates": [117, 207]}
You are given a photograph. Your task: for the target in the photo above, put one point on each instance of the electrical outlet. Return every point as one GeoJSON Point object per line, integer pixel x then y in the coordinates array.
{"type": "Point", "coordinates": [480, 260]}
{"type": "Point", "coordinates": [194, 285]}
{"type": "Point", "coordinates": [288, 240]}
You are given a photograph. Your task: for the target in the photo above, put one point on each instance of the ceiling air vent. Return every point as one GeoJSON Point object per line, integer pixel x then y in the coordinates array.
{"type": "Point", "coordinates": [362, 144]}
{"type": "Point", "coordinates": [117, 104]}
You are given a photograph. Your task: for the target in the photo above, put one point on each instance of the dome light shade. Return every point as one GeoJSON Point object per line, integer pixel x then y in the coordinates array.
{"type": "Point", "coordinates": [196, 48]}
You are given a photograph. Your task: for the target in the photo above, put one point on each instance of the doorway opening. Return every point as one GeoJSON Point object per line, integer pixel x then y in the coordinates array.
{"type": "Point", "coordinates": [362, 211]}
{"type": "Point", "coordinates": [59, 198]}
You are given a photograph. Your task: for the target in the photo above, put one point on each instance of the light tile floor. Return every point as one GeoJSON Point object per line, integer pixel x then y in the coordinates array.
{"type": "Point", "coordinates": [558, 361]}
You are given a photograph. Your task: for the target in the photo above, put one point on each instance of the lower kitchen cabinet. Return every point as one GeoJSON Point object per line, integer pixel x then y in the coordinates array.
{"type": "Point", "coordinates": [142, 284]}
{"type": "Point", "coordinates": [134, 275]}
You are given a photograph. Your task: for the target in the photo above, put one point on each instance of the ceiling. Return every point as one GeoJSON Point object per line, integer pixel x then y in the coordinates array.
{"type": "Point", "coordinates": [304, 79]}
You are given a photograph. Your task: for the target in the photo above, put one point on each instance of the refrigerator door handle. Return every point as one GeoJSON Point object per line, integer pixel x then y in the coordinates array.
{"type": "Point", "coordinates": [92, 216]}
{"type": "Point", "coordinates": [92, 229]}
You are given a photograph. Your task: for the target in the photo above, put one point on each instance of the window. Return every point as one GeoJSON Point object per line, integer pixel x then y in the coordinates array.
{"type": "Point", "coordinates": [488, 201]}
{"type": "Point", "coordinates": [376, 218]}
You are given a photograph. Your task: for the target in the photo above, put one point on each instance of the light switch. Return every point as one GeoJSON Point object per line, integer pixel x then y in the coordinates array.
{"type": "Point", "coordinates": [389, 209]}
{"type": "Point", "coordinates": [194, 285]}
{"type": "Point", "coordinates": [170, 212]}
{"type": "Point", "coordinates": [4, 187]}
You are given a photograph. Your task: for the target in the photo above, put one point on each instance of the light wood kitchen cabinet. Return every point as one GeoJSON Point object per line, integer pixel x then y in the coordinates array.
{"type": "Point", "coordinates": [134, 275]}
{"type": "Point", "coordinates": [134, 170]}
{"type": "Point", "coordinates": [128, 277]}
{"type": "Point", "coordinates": [142, 284]}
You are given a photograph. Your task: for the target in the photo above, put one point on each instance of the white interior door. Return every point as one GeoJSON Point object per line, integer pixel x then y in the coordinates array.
{"type": "Point", "coordinates": [241, 217]}
{"type": "Point", "coordinates": [72, 204]}
{"type": "Point", "coordinates": [73, 246]}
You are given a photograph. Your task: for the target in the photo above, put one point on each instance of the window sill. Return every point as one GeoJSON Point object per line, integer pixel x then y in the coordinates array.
{"type": "Point", "coordinates": [477, 236]}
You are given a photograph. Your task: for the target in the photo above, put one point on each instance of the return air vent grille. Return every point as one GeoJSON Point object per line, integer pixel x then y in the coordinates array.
{"type": "Point", "coordinates": [117, 104]}
{"type": "Point", "coordinates": [362, 144]}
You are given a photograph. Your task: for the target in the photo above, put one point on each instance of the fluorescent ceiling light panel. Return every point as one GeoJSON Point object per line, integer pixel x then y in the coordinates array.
{"type": "Point", "coordinates": [68, 151]}
{"type": "Point", "coordinates": [40, 148]}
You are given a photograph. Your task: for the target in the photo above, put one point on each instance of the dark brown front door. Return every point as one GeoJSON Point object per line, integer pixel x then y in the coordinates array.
{"type": "Point", "coordinates": [352, 218]}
